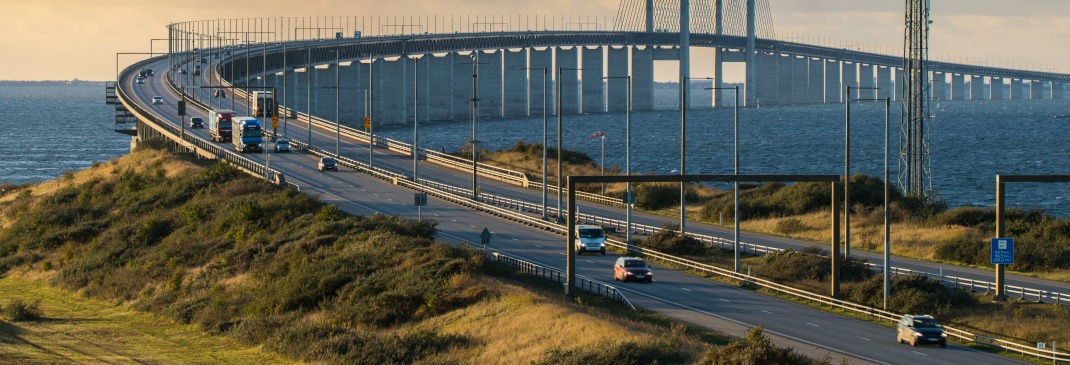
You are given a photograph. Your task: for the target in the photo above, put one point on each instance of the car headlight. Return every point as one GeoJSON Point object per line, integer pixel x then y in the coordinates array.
{"type": "Point", "coordinates": [918, 334]}
{"type": "Point", "coordinates": [943, 335]}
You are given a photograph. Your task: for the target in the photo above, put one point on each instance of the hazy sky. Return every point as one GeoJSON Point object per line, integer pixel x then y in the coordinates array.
{"type": "Point", "coordinates": [66, 39]}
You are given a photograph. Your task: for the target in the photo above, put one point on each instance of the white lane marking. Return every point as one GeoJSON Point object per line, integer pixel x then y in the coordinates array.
{"type": "Point", "coordinates": [538, 246]}
{"type": "Point", "coordinates": [812, 324]}
{"type": "Point", "coordinates": [919, 353]}
{"type": "Point", "coordinates": [864, 338]}
{"type": "Point", "coordinates": [724, 300]}
{"type": "Point", "coordinates": [560, 253]}
{"type": "Point", "coordinates": [686, 289]}
{"type": "Point", "coordinates": [454, 220]}
{"type": "Point", "coordinates": [589, 261]}
{"type": "Point", "coordinates": [436, 214]}
{"type": "Point", "coordinates": [471, 226]}
{"type": "Point", "coordinates": [514, 239]}
{"type": "Point", "coordinates": [766, 312]}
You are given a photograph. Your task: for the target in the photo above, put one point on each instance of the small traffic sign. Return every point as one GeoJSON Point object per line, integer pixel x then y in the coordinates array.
{"type": "Point", "coordinates": [484, 238]}
{"type": "Point", "coordinates": [1002, 251]}
{"type": "Point", "coordinates": [367, 122]}
{"type": "Point", "coordinates": [274, 122]}
{"type": "Point", "coordinates": [420, 199]}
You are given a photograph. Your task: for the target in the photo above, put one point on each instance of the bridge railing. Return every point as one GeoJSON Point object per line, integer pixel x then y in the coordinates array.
{"type": "Point", "coordinates": [583, 283]}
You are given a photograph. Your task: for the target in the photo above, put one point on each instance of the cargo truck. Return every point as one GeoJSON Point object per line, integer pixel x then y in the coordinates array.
{"type": "Point", "coordinates": [219, 125]}
{"type": "Point", "coordinates": [263, 104]}
{"type": "Point", "coordinates": [248, 135]}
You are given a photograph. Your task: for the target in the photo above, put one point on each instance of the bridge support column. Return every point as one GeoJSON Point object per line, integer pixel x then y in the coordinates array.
{"type": "Point", "coordinates": [462, 85]}
{"type": "Point", "coordinates": [767, 77]}
{"type": "Point", "coordinates": [815, 81]}
{"type": "Point", "coordinates": [1038, 89]}
{"type": "Point", "coordinates": [423, 87]}
{"type": "Point", "coordinates": [439, 79]}
{"type": "Point", "coordinates": [850, 78]}
{"type": "Point", "coordinates": [799, 80]}
{"type": "Point", "coordinates": [515, 83]}
{"type": "Point", "coordinates": [995, 88]}
{"type": "Point", "coordinates": [958, 87]}
{"type": "Point", "coordinates": [539, 59]}
{"type": "Point", "coordinates": [832, 81]}
{"type": "Point", "coordinates": [594, 97]}
{"type": "Point", "coordinates": [351, 96]}
{"type": "Point", "coordinates": [977, 87]}
{"type": "Point", "coordinates": [1057, 91]}
{"type": "Point", "coordinates": [939, 86]}
{"type": "Point", "coordinates": [567, 60]}
{"type": "Point", "coordinates": [1016, 89]}
{"type": "Point", "coordinates": [490, 84]}
{"type": "Point", "coordinates": [616, 85]}
{"type": "Point", "coordinates": [323, 92]}
{"type": "Point", "coordinates": [298, 93]}
{"type": "Point", "coordinates": [642, 78]}
{"type": "Point", "coordinates": [391, 91]}
{"type": "Point", "coordinates": [884, 82]}
{"type": "Point", "coordinates": [866, 82]}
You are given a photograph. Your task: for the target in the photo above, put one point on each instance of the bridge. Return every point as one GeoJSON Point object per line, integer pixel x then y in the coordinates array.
{"type": "Point", "coordinates": [384, 182]}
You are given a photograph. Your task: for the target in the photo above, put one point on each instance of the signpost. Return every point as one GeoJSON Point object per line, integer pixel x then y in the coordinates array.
{"type": "Point", "coordinates": [1002, 251]}
{"type": "Point", "coordinates": [420, 200]}
{"type": "Point", "coordinates": [484, 238]}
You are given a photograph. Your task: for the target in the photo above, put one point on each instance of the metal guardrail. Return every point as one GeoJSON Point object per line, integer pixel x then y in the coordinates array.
{"type": "Point", "coordinates": [583, 283]}
{"type": "Point", "coordinates": [519, 216]}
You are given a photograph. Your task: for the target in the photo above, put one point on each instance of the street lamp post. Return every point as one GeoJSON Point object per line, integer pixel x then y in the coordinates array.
{"type": "Point", "coordinates": [602, 135]}
{"type": "Point", "coordinates": [887, 190]}
{"type": "Point", "coordinates": [337, 96]}
{"type": "Point", "coordinates": [735, 169]}
{"type": "Point", "coordinates": [545, 189]}
{"type": "Point", "coordinates": [415, 122]}
{"type": "Point", "coordinates": [684, 88]}
{"type": "Point", "coordinates": [560, 178]}
{"type": "Point", "coordinates": [627, 161]}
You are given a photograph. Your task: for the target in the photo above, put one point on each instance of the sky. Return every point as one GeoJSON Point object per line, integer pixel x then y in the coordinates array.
{"type": "Point", "coordinates": [79, 39]}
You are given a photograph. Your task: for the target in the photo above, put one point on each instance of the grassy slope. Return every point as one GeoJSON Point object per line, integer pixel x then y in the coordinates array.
{"type": "Point", "coordinates": [131, 313]}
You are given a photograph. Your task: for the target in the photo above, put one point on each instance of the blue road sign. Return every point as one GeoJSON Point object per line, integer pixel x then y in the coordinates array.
{"type": "Point", "coordinates": [1002, 251]}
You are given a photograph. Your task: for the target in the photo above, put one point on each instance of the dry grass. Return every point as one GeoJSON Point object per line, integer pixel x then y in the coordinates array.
{"type": "Point", "coordinates": [520, 327]}
{"type": "Point", "coordinates": [80, 331]}
{"type": "Point", "coordinates": [1025, 321]}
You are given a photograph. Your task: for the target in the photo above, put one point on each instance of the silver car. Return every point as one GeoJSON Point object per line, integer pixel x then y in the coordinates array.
{"type": "Point", "coordinates": [282, 145]}
{"type": "Point", "coordinates": [158, 100]}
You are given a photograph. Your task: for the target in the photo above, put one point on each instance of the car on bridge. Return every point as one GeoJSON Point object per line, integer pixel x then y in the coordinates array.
{"type": "Point", "coordinates": [920, 329]}
{"type": "Point", "coordinates": [632, 268]}
{"type": "Point", "coordinates": [139, 80]}
{"type": "Point", "coordinates": [196, 122]}
{"type": "Point", "coordinates": [282, 145]}
{"type": "Point", "coordinates": [157, 100]}
{"type": "Point", "coordinates": [327, 163]}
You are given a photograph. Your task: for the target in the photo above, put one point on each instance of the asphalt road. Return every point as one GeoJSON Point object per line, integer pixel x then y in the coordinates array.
{"type": "Point", "coordinates": [673, 293]}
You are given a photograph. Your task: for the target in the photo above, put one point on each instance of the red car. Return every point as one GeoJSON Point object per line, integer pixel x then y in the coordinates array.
{"type": "Point", "coordinates": [632, 268]}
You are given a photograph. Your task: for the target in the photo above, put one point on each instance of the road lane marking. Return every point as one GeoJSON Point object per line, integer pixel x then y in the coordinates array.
{"type": "Point", "coordinates": [864, 338]}
{"type": "Point", "coordinates": [589, 261]}
{"type": "Point", "coordinates": [919, 353]}
{"type": "Point", "coordinates": [724, 300]}
{"type": "Point", "coordinates": [812, 324]}
{"type": "Point", "coordinates": [514, 239]}
{"type": "Point", "coordinates": [435, 214]}
{"type": "Point", "coordinates": [766, 312]}
{"type": "Point", "coordinates": [686, 289]}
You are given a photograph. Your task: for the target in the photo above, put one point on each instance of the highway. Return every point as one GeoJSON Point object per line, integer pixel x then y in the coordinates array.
{"type": "Point", "coordinates": [697, 300]}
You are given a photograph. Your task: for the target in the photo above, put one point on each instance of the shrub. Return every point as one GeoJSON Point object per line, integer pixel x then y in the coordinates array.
{"type": "Point", "coordinates": [790, 225]}
{"type": "Point", "coordinates": [967, 250]}
{"type": "Point", "coordinates": [668, 240]}
{"type": "Point", "coordinates": [810, 263]}
{"type": "Point", "coordinates": [618, 353]}
{"type": "Point", "coordinates": [654, 196]}
{"type": "Point", "coordinates": [913, 294]}
{"type": "Point", "coordinates": [982, 218]}
{"type": "Point", "coordinates": [756, 348]}
{"type": "Point", "coordinates": [19, 310]}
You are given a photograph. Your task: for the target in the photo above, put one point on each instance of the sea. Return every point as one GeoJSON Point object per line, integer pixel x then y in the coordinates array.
{"type": "Point", "coordinates": [52, 128]}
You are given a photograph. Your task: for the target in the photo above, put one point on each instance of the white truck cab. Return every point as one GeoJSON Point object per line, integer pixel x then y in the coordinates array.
{"type": "Point", "coordinates": [590, 239]}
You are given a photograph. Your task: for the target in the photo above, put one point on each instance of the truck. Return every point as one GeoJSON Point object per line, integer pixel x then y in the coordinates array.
{"type": "Point", "coordinates": [248, 135]}
{"type": "Point", "coordinates": [219, 124]}
{"type": "Point", "coordinates": [263, 104]}
{"type": "Point", "coordinates": [590, 239]}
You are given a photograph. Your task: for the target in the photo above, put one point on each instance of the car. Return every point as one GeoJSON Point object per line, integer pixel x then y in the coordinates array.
{"type": "Point", "coordinates": [196, 122]}
{"type": "Point", "coordinates": [920, 330]}
{"type": "Point", "coordinates": [219, 93]}
{"type": "Point", "coordinates": [139, 80]}
{"type": "Point", "coordinates": [282, 145]}
{"type": "Point", "coordinates": [158, 100]}
{"type": "Point", "coordinates": [327, 163]}
{"type": "Point", "coordinates": [590, 239]}
{"type": "Point", "coordinates": [632, 268]}
{"type": "Point", "coordinates": [182, 71]}
{"type": "Point", "coordinates": [148, 71]}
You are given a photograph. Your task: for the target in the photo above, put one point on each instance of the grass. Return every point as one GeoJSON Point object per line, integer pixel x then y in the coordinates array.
{"type": "Point", "coordinates": [78, 330]}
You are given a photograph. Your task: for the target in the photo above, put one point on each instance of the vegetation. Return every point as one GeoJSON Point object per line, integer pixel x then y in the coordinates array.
{"type": "Point", "coordinates": [206, 246]}
{"type": "Point", "coordinates": [19, 310]}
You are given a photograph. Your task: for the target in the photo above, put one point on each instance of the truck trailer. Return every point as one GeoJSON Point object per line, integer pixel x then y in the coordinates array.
{"type": "Point", "coordinates": [263, 104]}
{"type": "Point", "coordinates": [219, 125]}
{"type": "Point", "coordinates": [249, 136]}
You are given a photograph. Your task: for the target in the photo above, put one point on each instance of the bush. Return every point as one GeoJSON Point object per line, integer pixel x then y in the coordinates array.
{"type": "Point", "coordinates": [982, 218]}
{"type": "Point", "coordinates": [654, 196]}
{"type": "Point", "coordinates": [790, 225]}
{"type": "Point", "coordinates": [618, 353]}
{"type": "Point", "coordinates": [668, 240]}
{"type": "Point", "coordinates": [18, 310]}
{"type": "Point", "coordinates": [965, 250]}
{"type": "Point", "coordinates": [756, 348]}
{"type": "Point", "coordinates": [810, 263]}
{"type": "Point", "coordinates": [913, 294]}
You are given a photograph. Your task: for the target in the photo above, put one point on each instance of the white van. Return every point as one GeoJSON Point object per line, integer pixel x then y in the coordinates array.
{"type": "Point", "coordinates": [590, 239]}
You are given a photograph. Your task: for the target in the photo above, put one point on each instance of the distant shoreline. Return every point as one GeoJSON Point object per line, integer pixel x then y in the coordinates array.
{"type": "Point", "coordinates": [74, 82]}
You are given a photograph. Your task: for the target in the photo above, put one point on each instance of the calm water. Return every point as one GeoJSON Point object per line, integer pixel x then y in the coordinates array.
{"type": "Point", "coordinates": [49, 130]}
{"type": "Point", "coordinates": [971, 142]}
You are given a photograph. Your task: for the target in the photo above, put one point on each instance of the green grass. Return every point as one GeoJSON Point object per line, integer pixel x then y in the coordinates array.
{"type": "Point", "coordinates": [76, 330]}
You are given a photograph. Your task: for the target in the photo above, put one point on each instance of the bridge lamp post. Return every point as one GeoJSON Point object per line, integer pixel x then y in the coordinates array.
{"type": "Point", "coordinates": [627, 160]}
{"type": "Point", "coordinates": [602, 135]}
{"type": "Point", "coordinates": [560, 151]}
{"type": "Point", "coordinates": [887, 188]}
{"type": "Point", "coordinates": [545, 190]}
{"type": "Point", "coordinates": [415, 122]}
{"type": "Point", "coordinates": [685, 84]}
{"type": "Point", "coordinates": [473, 110]}
{"type": "Point", "coordinates": [847, 166]}
{"type": "Point", "coordinates": [735, 169]}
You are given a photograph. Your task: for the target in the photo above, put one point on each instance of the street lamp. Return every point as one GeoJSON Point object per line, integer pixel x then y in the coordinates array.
{"type": "Point", "coordinates": [545, 189]}
{"type": "Point", "coordinates": [560, 179]}
{"type": "Point", "coordinates": [602, 135]}
{"type": "Point", "coordinates": [415, 110]}
{"type": "Point", "coordinates": [684, 87]}
{"type": "Point", "coordinates": [473, 111]}
{"type": "Point", "coordinates": [627, 160]}
{"type": "Point", "coordinates": [887, 189]}
{"type": "Point", "coordinates": [735, 165]}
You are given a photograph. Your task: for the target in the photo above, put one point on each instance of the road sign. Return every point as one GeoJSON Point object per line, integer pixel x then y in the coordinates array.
{"type": "Point", "coordinates": [181, 108]}
{"type": "Point", "coordinates": [1002, 251]}
{"type": "Point", "coordinates": [484, 238]}
{"type": "Point", "coordinates": [274, 122]}
{"type": "Point", "coordinates": [367, 123]}
{"type": "Point", "coordinates": [420, 199]}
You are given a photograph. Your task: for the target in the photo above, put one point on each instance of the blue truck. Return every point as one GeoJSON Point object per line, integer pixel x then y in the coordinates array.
{"type": "Point", "coordinates": [248, 135]}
